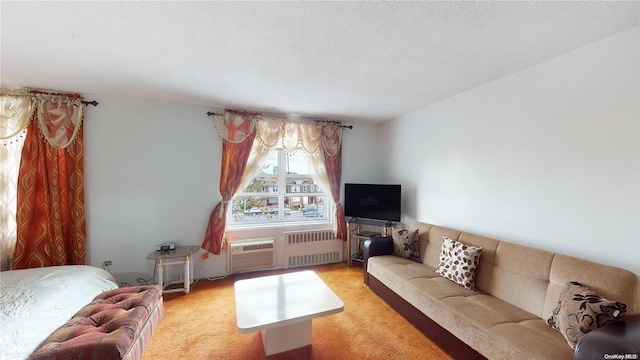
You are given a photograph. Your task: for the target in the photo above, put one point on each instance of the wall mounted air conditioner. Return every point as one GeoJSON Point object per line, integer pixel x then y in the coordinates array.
{"type": "Point", "coordinates": [251, 254]}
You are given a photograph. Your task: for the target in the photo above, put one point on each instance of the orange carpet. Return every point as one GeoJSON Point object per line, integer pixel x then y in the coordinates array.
{"type": "Point", "coordinates": [202, 325]}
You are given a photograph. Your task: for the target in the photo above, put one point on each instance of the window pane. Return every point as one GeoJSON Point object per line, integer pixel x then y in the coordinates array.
{"type": "Point", "coordinates": [298, 179]}
{"type": "Point", "coordinates": [296, 163]}
{"type": "Point", "coordinates": [254, 209]}
{"type": "Point", "coordinates": [299, 199]}
{"type": "Point", "coordinates": [303, 208]}
{"type": "Point", "coordinates": [267, 180]}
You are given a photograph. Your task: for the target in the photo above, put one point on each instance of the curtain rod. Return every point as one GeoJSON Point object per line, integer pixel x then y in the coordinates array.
{"type": "Point", "coordinates": [350, 127]}
{"type": "Point", "coordinates": [29, 94]}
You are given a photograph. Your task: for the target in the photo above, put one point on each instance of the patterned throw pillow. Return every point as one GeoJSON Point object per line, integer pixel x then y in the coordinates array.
{"type": "Point", "coordinates": [406, 244]}
{"type": "Point", "coordinates": [581, 310]}
{"type": "Point", "coordinates": [458, 262]}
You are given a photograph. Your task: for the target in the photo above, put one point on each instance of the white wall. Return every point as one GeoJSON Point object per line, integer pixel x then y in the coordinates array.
{"type": "Point", "coordinates": [152, 174]}
{"type": "Point", "coordinates": [361, 148]}
{"type": "Point", "coordinates": [549, 156]}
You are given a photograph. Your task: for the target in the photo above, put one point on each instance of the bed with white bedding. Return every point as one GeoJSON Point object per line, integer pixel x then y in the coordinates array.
{"type": "Point", "coordinates": [36, 303]}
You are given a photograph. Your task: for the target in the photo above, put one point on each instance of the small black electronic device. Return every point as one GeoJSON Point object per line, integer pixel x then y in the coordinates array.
{"type": "Point", "coordinates": [166, 246]}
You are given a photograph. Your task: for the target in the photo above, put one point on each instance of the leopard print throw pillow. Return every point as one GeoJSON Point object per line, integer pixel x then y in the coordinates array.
{"type": "Point", "coordinates": [458, 262]}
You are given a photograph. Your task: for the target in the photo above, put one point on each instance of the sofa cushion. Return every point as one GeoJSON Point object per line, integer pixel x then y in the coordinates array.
{"type": "Point", "coordinates": [405, 244]}
{"type": "Point", "coordinates": [518, 275]}
{"type": "Point", "coordinates": [608, 281]}
{"type": "Point", "coordinates": [433, 246]}
{"type": "Point", "coordinates": [458, 262]}
{"type": "Point", "coordinates": [581, 310]}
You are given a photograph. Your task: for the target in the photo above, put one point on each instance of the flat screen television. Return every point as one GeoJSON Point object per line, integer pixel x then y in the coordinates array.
{"type": "Point", "coordinates": [372, 201]}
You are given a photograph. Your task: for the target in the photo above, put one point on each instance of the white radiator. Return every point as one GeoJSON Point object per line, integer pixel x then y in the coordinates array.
{"type": "Point", "coordinates": [303, 248]}
{"type": "Point", "coordinates": [250, 254]}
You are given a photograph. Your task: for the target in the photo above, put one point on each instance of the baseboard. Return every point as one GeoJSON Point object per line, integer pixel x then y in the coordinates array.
{"type": "Point", "coordinates": [436, 333]}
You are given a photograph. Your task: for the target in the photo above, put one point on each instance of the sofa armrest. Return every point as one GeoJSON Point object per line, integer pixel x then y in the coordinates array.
{"type": "Point", "coordinates": [620, 338]}
{"type": "Point", "coordinates": [375, 246]}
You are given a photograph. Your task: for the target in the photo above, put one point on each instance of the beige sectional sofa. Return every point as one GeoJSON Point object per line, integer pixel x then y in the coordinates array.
{"type": "Point", "coordinates": [516, 290]}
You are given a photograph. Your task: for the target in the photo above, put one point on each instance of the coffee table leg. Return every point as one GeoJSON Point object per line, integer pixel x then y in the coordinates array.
{"type": "Point", "coordinates": [287, 337]}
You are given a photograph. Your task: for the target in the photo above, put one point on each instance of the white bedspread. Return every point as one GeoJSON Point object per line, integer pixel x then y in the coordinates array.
{"type": "Point", "coordinates": [35, 302]}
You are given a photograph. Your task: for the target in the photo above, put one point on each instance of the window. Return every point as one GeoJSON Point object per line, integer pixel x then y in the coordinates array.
{"type": "Point", "coordinates": [282, 192]}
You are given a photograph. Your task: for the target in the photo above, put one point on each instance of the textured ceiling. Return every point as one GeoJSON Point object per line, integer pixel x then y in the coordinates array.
{"type": "Point", "coordinates": [358, 61]}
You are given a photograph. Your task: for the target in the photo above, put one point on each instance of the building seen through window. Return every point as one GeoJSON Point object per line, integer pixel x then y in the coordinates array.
{"type": "Point", "coordinates": [283, 191]}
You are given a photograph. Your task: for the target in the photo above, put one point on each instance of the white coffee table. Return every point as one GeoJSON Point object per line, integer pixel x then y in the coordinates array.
{"type": "Point", "coordinates": [281, 307]}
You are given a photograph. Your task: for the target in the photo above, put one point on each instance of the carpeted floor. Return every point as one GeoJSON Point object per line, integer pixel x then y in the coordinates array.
{"type": "Point", "coordinates": [202, 325]}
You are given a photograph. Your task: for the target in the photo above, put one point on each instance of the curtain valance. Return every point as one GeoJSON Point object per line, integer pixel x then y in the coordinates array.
{"type": "Point", "coordinates": [59, 116]}
{"type": "Point", "coordinates": [280, 132]}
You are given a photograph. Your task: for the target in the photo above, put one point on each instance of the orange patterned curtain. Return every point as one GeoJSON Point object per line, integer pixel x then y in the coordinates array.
{"type": "Point", "coordinates": [50, 214]}
{"type": "Point", "coordinates": [238, 132]}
